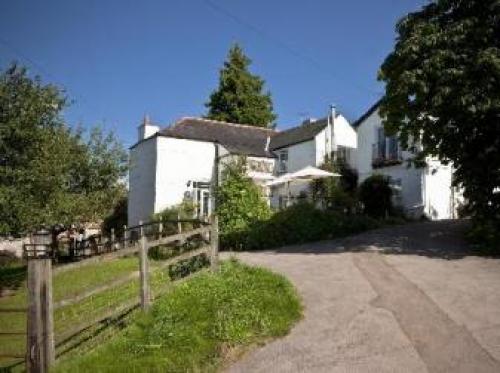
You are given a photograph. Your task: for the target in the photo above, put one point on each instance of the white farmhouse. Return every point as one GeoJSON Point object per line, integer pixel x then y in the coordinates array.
{"type": "Point", "coordinates": [167, 165]}
{"type": "Point", "coordinates": [427, 190]}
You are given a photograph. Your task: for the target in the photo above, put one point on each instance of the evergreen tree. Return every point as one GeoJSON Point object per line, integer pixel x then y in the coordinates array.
{"type": "Point", "coordinates": [239, 97]}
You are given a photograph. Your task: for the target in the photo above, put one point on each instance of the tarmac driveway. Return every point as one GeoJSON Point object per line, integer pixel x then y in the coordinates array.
{"type": "Point", "coordinates": [400, 299]}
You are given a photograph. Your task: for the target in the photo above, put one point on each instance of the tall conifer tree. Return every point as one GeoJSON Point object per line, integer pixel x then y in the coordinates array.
{"type": "Point", "coordinates": [240, 97]}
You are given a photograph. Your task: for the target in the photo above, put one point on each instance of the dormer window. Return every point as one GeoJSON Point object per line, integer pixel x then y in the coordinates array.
{"type": "Point", "coordinates": [283, 161]}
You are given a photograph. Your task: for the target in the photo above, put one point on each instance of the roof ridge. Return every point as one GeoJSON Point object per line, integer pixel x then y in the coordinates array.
{"type": "Point", "coordinates": [225, 123]}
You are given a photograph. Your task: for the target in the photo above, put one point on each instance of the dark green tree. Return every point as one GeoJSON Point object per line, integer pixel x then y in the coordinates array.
{"type": "Point", "coordinates": [443, 89]}
{"type": "Point", "coordinates": [239, 97]}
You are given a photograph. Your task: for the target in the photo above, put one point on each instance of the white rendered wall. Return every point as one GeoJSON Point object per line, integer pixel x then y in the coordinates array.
{"type": "Point", "coordinates": [440, 201]}
{"type": "Point", "coordinates": [180, 161]}
{"type": "Point", "coordinates": [322, 147]}
{"type": "Point", "coordinates": [344, 134]}
{"type": "Point", "coordinates": [301, 155]}
{"type": "Point", "coordinates": [411, 178]}
{"type": "Point", "coordinates": [142, 175]}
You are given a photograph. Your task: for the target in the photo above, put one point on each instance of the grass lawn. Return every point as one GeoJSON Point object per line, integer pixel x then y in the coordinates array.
{"type": "Point", "coordinates": [199, 324]}
{"type": "Point", "coordinates": [66, 284]}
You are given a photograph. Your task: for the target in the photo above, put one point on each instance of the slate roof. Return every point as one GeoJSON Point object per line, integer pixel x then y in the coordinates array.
{"type": "Point", "coordinates": [296, 135]}
{"type": "Point", "coordinates": [369, 112]}
{"type": "Point", "coordinates": [236, 138]}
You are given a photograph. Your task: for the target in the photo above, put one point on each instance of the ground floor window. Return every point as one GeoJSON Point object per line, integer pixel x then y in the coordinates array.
{"type": "Point", "coordinates": [201, 198]}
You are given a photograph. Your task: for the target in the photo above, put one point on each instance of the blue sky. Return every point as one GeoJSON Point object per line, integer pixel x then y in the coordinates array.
{"type": "Point", "coordinates": [121, 59]}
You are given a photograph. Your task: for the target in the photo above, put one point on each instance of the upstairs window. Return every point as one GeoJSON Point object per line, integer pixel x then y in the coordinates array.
{"type": "Point", "coordinates": [386, 150]}
{"type": "Point", "coordinates": [283, 161]}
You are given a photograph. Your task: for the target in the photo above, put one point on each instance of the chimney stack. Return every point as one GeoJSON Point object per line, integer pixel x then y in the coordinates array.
{"type": "Point", "coordinates": [147, 129]}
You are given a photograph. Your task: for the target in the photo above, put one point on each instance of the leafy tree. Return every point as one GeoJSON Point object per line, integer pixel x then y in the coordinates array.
{"type": "Point", "coordinates": [48, 173]}
{"type": "Point", "coordinates": [443, 88]}
{"type": "Point", "coordinates": [239, 201]}
{"type": "Point", "coordinates": [376, 195]}
{"type": "Point", "coordinates": [239, 97]}
{"type": "Point", "coordinates": [100, 173]}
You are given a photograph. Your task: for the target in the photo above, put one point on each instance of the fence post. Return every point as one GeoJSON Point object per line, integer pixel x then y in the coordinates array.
{"type": "Point", "coordinates": [40, 351]}
{"type": "Point", "coordinates": [113, 244]}
{"type": "Point", "coordinates": [47, 313]}
{"type": "Point", "coordinates": [34, 358]}
{"type": "Point", "coordinates": [143, 266]}
{"type": "Point", "coordinates": [214, 243]}
{"type": "Point", "coordinates": [179, 224]}
{"type": "Point", "coordinates": [160, 227]}
{"type": "Point", "coordinates": [214, 231]}
{"type": "Point", "coordinates": [125, 236]}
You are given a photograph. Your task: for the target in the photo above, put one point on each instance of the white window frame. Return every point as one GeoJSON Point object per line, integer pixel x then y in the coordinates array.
{"type": "Point", "coordinates": [283, 161]}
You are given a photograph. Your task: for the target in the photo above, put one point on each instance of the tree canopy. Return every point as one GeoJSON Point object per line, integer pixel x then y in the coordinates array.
{"type": "Point", "coordinates": [443, 89]}
{"type": "Point", "coordinates": [239, 97]}
{"type": "Point", "coordinates": [50, 173]}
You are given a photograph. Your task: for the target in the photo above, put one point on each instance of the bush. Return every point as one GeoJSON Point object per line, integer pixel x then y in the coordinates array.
{"type": "Point", "coordinates": [376, 195]}
{"type": "Point", "coordinates": [118, 218]}
{"type": "Point", "coordinates": [239, 201]}
{"type": "Point", "coordinates": [170, 215]}
{"type": "Point", "coordinates": [300, 223]}
{"type": "Point", "coordinates": [336, 193]}
{"type": "Point", "coordinates": [191, 328]}
{"type": "Point", "coordinates": [485, 235]}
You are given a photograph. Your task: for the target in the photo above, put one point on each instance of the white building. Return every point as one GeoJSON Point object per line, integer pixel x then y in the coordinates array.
{"type": "Point", "coordinates": [170, 164]}
{"type": "Point", "coordinates": [427, 190]}
{"type": "Point", "coordinates": [166, 165]}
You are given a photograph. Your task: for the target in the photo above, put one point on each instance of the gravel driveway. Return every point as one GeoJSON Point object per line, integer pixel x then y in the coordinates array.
{"type": "Point", "coordinates": [400, 299]}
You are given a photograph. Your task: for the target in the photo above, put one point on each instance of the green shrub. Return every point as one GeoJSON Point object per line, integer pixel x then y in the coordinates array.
{"type": "Point", "coordinates": [376, 195]}
{"type": "Point", "coordinates": [170, 215]}
{"type": "Point", "coordinates": [336, 193]}
{"type": "Point", "coordinates": [189, 329]}
{"type": "Point", "coordinates": [485, 235]}
{"type": "Point", "coordinates": [239, 200]}
{"type": "Point", "coordinates": [300, 223]}
{"type": "Point", "coordinates": [118, 217]}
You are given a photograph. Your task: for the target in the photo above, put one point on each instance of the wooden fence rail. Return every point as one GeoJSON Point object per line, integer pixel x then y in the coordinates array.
{"type": "Point", "coordinates": [41, 341]}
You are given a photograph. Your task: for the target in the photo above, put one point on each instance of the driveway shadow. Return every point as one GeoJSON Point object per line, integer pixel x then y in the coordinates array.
{"type": "Point", "coordinates": [442, 239]}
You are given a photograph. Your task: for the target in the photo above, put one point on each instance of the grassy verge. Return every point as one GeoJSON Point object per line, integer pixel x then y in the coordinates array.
{"type": "Point", "coordinates": [198, 325]}
{"type": "Point", "coordinates": [70, 283]}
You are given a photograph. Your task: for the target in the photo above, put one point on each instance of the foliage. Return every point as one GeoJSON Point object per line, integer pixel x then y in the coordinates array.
{"type": "Point", "coordinates": [348, 177]}
{"type": "Point", "coordinates": [12, 271]}
{"type": "Point", "coordinates": [239, 201]}
{"type": "Point", "coordinates": [337, 193]}
{"type": "Point", "coordinates": [48, 173]}
{"type": "Point", "coordinates": [376, 195]}
{"type": "Point", "coordinates": [67, 284]}
{"type": "Point", "coordinates": [185, 267]}
{"type": "Point", "coordinates": [239, 97]}
{"type": "Point", "coordinates": [118, 217]}
{"type": "Point", "coordinates": [485, 235]}
{"type": "Point", "coordinates": [299, 223]}
{"type": "Point", "coordinates": [443, 88]}
{"type": "Point", "coordinates": [184, 210]}
{"type": "Point", "coordinates": [191, 328]}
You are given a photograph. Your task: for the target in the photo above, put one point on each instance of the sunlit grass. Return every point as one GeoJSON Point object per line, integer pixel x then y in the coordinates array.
{"type": "Point", "coordinates": [194, 326]}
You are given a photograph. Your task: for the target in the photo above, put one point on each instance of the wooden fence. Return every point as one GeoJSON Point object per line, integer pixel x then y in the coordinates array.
{"type": "Point", "coordinates": [41, 339]}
